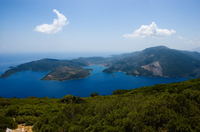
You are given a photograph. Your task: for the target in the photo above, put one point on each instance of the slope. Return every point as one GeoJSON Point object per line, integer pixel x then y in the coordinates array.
{"type": "Point", "coordinates": [163, 107]}
{"type": "Point", "coordinates": [158, 61]}
{"type": "Point", "coordinates": [60, 69]}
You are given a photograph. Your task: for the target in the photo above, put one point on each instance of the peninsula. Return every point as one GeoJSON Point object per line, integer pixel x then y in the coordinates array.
{"type": "Point", "coordinates": [157, 61]}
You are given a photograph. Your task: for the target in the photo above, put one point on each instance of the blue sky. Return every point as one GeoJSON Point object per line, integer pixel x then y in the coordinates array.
{"type": "Point", "coordinates": [114, 26]}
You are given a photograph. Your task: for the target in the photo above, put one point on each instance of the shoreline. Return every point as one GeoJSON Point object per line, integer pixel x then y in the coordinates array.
{"type": "Point", "coordinates": [67, 80]}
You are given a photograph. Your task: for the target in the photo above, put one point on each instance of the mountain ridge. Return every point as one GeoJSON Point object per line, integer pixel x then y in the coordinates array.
{"type": "Point", "coordinates": [157, 61]}
{"type": "Point", "coordinates": [173, 62]}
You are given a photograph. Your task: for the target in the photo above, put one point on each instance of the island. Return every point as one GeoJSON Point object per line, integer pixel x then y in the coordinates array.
{"type": "Point", "coordinates": [112, 75]}
{"type": "Point", "coordinates": [60, 70]}
{"type": "Point", "coordinates": [157, 61]}
{"type": "Point", "coordinates": [66, 73]}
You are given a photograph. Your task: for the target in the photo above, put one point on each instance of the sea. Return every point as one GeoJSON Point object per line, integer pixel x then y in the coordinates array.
{"type": "Point", "coordinates": [27, 83]}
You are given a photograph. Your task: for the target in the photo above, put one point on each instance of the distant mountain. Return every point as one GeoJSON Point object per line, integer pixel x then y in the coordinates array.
{"type": "Point", "coordinates": [159, 61]}
{"type": "Point", "coordinates": [196, 49]}
{"type": "Point", "coordinates": [154, 62]}
{"type": "Point", "coordinates": [95, 60]}
{"type": "Point", "coordinates": [107, 61]}
{"type": "Point", "coordinates": [193, 54]}
{"type": "Point", "coordinates": [124, 55]}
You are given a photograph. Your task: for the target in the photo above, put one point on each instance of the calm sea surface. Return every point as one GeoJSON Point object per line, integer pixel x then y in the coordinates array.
{"type": "Point", "coordinates": [27, 83]}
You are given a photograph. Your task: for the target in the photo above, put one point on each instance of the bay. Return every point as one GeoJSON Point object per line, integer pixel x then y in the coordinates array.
{"type": "Point", "coordinates": [27, 83]}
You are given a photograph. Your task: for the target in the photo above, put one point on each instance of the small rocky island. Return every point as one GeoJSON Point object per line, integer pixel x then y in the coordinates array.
{"type": "Point", "coordinates": [112, 75]}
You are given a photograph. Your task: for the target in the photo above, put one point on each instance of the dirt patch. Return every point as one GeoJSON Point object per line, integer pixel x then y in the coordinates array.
{"type": "Point", "coordinates": [22, 128]}
{"type": "Point", "coordinates": [136, 72]}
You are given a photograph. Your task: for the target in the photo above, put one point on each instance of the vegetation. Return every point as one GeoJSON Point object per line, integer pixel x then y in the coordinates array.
{"type": "Point", "coordinates": [95, 60]}
{"type": "Point", "coordinates": [7, 122]}
{"type": "Point", "coordinates": [163, 107]}
{"type": "Point", "coordinates": [60, 69]}
{"type": "Point", "coordinates": [66, 73]}
{"type": "Point", "coordinates": [94, 94]}
{"type": "Point", "coordinates": [171, 63]}
{"type": "Point", "coordinates": [174, 63]}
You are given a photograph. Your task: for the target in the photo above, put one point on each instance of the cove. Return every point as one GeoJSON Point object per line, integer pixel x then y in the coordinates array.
{"type": "Point", "coordinates": [27, 83]}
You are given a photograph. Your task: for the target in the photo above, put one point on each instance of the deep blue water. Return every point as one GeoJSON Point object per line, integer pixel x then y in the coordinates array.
{"type": "Point", "coordinates": [28, 83]}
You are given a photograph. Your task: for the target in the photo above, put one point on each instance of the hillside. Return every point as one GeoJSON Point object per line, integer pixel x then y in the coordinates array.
{"type": "Point", "coordinates": [196, 49]}
{"type": "Point", "coordinates": [124, 55]}
{"type": "Point", "coordinates": [153, 62]}
{"type": "Point", "coordinates": [60, 70]}
{"type": "Point", "coordinates": [194, 54]}
{"type": "Point", "coordinates": [66, 73]}
{"type": "Point", "coordinates": [159, 61]}
{"type": "Point", "coordinates": [163, 107]}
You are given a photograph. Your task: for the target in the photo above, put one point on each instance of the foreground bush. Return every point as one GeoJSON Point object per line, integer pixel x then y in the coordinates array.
{"type": "Point", "coordinates": [164, 107]}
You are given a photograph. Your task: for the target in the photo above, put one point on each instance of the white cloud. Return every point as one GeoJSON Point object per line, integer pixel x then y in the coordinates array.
{"type": "Point", "coordinates": [149, 31]}
{"type": "Point", "coordinates": [55, 27]}
{"type": "Point", "coordinates": [195, 42]}
{"type": "Point", "coordinates": [181, 37]}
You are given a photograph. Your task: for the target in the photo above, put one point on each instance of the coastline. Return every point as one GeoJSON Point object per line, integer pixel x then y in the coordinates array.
{"type": "Point", "coordinates": [66, 80]}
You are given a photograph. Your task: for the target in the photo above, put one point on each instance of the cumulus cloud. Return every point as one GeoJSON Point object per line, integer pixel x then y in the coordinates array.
{"type": "Point", "coordinates": [181, 37]}
{"type": "Point", "coordinates": [149, 31]}
{"type": "Point", "coordinates": [55, 27]}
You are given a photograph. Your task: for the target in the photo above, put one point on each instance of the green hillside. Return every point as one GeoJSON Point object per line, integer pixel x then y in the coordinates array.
{"type": "Point", "coordinates": [124, 55]}
{"type": "Point", "coordinates": [173, 63]}
{"type": "Point", "coordinates": [193, 54]}
{"type": "Point", "coordinates": [66, 73]}
{"type": "Point", "coordinates": [60, 70]}
{"type": "Point", "coordinates": [153, 62]}
{"type": "Point", "coordinates": [164, 107]}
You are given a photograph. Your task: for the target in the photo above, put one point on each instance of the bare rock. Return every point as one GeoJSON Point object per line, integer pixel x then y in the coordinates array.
{"type": "Point", "coordinates": [155, 68]}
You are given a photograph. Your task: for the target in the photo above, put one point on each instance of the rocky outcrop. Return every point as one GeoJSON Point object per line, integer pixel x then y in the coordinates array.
{"type": "Point", "coordinates": [155, 68]}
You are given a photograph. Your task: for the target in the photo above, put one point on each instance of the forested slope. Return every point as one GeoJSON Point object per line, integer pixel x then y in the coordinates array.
{"type": "Point", "coordinates": [159, 61]}
{"type": "Point", "coordinates": [163, 107]}
{"type": "Point", "coordinates": [60, 70]}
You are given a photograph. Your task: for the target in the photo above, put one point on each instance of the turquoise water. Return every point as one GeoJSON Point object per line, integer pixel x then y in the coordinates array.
{"type": "Point", "coordinates": [28, 83]}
